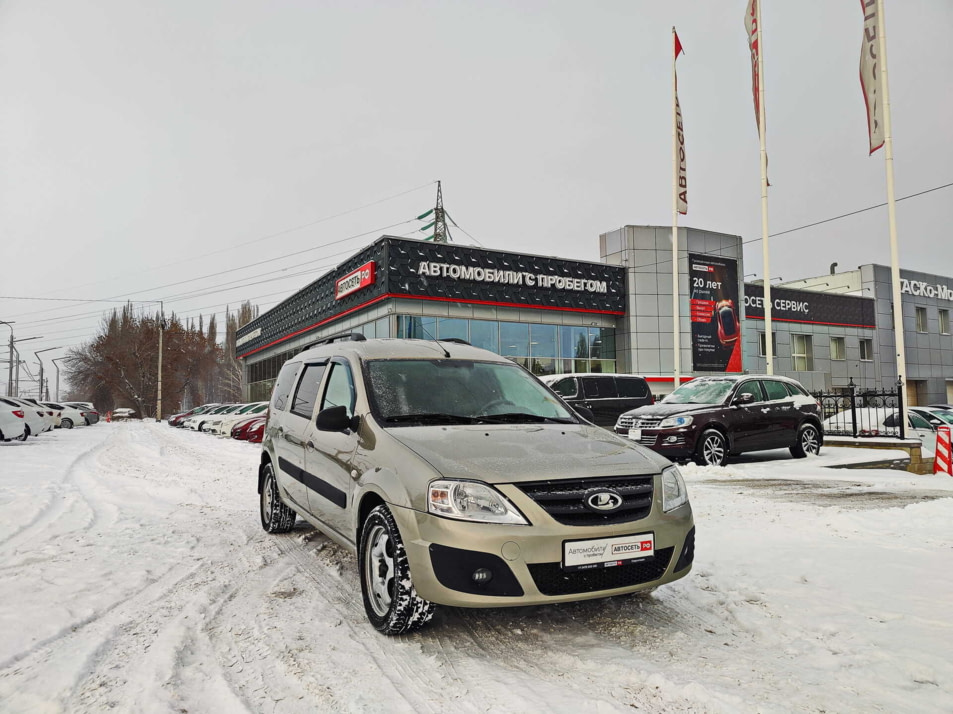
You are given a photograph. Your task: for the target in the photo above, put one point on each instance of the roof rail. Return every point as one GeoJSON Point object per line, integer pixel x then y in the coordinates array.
{"type": "Point", "coordinates": [339, 337]}
{"type": "Point", "coordinates": [455, 340]}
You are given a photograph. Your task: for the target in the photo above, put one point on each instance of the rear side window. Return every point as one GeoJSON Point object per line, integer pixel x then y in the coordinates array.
{"type": "Point", "coordinates": [565, 387]}
{"type": "Point", "coordinates": [632, 387]}
{"type": "Point", "coordinates": [307, 394]}
{"type": "Point", "coordinates": [796, 390]}
{"type": "Point", "coordinates": [599, 387]}
{"type": "Point", "coordinates": [286, 378]}
{"type": "Point", "coordinates": [775, 389]}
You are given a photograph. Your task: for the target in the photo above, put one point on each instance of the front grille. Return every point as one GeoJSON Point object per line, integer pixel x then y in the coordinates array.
{"type": "Point", "coordinates": [551, 579]}
{"type": "Point", "coordinates": [564, 500]}
{"type": "Point", "coordinates": [633, 422]}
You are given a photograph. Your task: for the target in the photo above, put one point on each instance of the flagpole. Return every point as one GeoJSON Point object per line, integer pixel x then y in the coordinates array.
{"type": "Point", "coordinates": [676, 326]}
{"type": "Point", "coordinates": [768, 332]}
{"type": "Point", "coordinates": [892, 209]}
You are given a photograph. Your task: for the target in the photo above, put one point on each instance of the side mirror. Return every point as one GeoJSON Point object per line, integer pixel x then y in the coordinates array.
{"type": "Point", "coordinates": [335, 419]}
{"type": "Point", "coordinates": [742, 399]}
{"type": "Point", "coordinates": [585, 413]}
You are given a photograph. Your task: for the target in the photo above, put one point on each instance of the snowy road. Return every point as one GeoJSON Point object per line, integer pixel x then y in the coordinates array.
{"type": "Point", "coordinates": [135, 577]}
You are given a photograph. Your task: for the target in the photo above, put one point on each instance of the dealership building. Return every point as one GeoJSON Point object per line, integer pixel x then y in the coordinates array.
{"type": "Point", "coordinates": [555, 315]}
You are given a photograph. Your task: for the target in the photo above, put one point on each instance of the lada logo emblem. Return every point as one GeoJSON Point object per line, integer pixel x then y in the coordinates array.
{"type": "Point", "coordinates": [603, 500]}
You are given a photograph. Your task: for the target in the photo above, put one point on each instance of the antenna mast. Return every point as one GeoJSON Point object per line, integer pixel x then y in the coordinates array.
{"type": "Point", "coordinates": [440, 232]}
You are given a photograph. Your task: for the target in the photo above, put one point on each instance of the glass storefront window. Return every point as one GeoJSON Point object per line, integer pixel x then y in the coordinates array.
{"type": "Point", "coordinates": [514, 339]}
{"type": "Point", "coordinates": [542, 341]}
{"type": "Point", "coordinates": [485, 334]}
{"type": "Point", "coordinates": [382, 327]}
{"type": "Point", "coordinates": [413, 327]}
{"type": "Point", "coordinates": [452, 327]}
{"type": "Point", "coordinates": [574, 342]}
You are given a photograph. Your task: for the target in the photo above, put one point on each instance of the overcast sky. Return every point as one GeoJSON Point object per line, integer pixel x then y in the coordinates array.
{"type": "Point", "coordinates": [149, 143]}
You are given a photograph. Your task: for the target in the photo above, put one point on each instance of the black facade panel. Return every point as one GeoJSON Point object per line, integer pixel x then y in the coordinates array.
{"type": "Point", "coordinates": [811, 307]}
{"type": "Point", "coordinates": [446, 272]}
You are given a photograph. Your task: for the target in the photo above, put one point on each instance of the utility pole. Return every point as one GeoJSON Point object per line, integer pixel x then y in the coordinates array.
{"type": "Point", "coordinates": [440, 232]}
{"type": "Point", "coordinates": [57, 376]}
{"type": "Point", "coordinates": [159, 379]}
{"type": "Point", "coordinates": [10, 368]}
{"type": "Point", "coordinates": [39, 397]}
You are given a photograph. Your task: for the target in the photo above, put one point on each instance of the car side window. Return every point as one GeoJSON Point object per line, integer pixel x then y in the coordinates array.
{"type": "Point", "coordinates": [599, 387]}
{"type": "Point", "coordinates": [282, 389]}
{"type": "Point", "coordinates": [307, 392]}
{"type": "Point", "coordinates": [919, 422]}
{"type": "Point", "coordinates": [632, 387]}
{"type": "Point", "coordinates": [774, 389]}
{"type": "Point", "coordinates": [753, 388]}
{"type": "Point", "coordinates": [565, 387]}
{"type": "Point", "coordinates": [340, 389]}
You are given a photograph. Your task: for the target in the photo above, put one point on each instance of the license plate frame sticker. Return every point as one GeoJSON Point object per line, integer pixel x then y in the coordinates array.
{"type": "Point", "coordinates": [635, 434]}
{"type": "Point", "coordinates": [607, 552]}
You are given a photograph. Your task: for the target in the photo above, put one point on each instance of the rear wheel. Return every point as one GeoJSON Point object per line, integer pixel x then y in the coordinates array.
{"type": "Point", "coordinates": [712, 449]}
{"type": "Point", "coordinates": [66, 424]}
{"type": "Point", "coordinates": [276, 517]}
{"type": "Point", "coordinates": [391, 602]}
{"type": "Point", "coordinates": [808, 442]}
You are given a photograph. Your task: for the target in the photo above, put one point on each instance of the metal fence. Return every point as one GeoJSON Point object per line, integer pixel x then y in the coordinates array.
{"type": "Point", "coordinates": [863, 413]}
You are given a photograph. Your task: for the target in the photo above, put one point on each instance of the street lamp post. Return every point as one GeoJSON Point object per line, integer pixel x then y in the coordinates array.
{"type": "Point", "coordinates": [18, 362]}
{"type": "Point", "coordinates": [10, 368]}
{"type": "Point", "coordinates": [159, 378]}
{"type": "Point", "coordinates": [37, 353]}
{"type": "Point", "coordinates": [57, 367]}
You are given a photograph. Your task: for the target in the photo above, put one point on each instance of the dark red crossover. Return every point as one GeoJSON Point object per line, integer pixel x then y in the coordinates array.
{"type": "Point", "coordinates": [240, 430]}
{"type": "Point", "coordinates": [712, 418]}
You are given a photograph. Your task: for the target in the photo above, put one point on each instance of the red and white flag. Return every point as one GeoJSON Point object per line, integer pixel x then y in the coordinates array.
{"type": "Point", "coordinates": [870, 75]}
{"type": "Point", "coordinates": [682, 192]}
{"type": "Point", "coordinates": [754, 44]}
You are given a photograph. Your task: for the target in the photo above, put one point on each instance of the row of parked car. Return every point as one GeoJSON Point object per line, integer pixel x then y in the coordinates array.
{"type": "Point", "coordinates": [245, 422]}
{"type": "Point", "coordinates": [22, 417]}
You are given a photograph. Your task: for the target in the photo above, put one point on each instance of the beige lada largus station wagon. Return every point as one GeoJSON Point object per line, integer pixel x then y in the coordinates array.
{"type": "Point", "coordinates": [459, 479]}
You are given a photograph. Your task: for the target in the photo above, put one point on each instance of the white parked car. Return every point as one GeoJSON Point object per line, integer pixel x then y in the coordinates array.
{"type": "Point", "coordinates": [49, 415]}
{"type": "Point", "coordinates": [884, 422]}
{"type": "Point", "coordinates": [12, 421]}
{"type": "Point", "coordinates": [197, 421]}
{"type": "Point", "coordinates": [36, 421]}
{"type": "Point", "coordinates": [69, 416]}
{"type": "Point", "coordinates": [227, 421]}
{"type": "Point", "coordinates": [215, 420]}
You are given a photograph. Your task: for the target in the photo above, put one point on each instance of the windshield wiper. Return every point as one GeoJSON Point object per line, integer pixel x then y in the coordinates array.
{"type": "Point", "coordinates": [433, 418]}
{"type": "Point", "coordinates": [518, 417]}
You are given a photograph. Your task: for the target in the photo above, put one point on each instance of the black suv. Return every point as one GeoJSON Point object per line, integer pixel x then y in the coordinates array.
{"type": "Point", "coordinates": [605, 395]}
{"type": "Point", "coordinates": [710, 418]}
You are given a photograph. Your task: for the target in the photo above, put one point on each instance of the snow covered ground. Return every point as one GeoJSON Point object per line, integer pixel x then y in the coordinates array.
{"type": "Point", "coordinates": [136, 578]}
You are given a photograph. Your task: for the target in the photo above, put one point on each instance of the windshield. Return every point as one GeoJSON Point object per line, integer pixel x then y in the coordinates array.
{"type": "Point", "coordinates": [701, 391]}
{"type": "Point", "coordinates": [452, 391]}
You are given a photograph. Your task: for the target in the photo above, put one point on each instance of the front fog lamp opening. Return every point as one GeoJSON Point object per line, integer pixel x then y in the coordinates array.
{"type": "Point", "coordinates": [674, 493]}
{"type": "Point", "coordinates": [482, 576]}
{"type": "Point", "coordinates": [472, 501]}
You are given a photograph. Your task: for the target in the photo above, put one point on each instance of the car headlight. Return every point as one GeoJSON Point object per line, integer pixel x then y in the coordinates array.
{"type": "Point", "coordinates": [673, 422]}
{"type": "Point", "coordinates": [472, 501]}
{"type": "Point", "coordinates": [674, 493]}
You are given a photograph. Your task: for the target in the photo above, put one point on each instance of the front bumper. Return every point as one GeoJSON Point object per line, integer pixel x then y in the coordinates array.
{"type": "Point", "coordinates": [674, 444]}
{"type": "Point", "coordinates": [525, 561]}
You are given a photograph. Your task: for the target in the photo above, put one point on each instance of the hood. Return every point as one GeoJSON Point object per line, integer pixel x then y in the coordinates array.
{"type": "Point", "coordinates": [663, 410]}
{"type": "Point", "coordinates": [514, 453]}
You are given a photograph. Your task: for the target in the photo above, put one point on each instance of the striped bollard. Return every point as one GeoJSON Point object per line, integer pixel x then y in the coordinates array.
{"type": "Point", "coordinates": [941, 461]}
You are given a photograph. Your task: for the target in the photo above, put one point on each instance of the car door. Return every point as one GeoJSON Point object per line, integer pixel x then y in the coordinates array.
{"type": "Point", "coordinates": [746, 422]}
{"type": "Point", "coordinates": [921, 429]}
{"type": "Point", "coordinates": [780, 415]}
{"type": "Point", "coordinates": [290, 430]}
{"type": "Point", "coordinates": [600, 398]}
{"type": "Point", "coordinates": [328, 454]}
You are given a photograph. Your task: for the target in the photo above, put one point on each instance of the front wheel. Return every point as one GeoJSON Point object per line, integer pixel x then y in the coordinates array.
{"type": "Point", "coordinates": [391, 602]}
{"type": "Point", "coordinates": [276, 517]}
{"type": "Point", "coordinates": [712, 449]}
{"type": "Point", "coordinates": [808, 442]}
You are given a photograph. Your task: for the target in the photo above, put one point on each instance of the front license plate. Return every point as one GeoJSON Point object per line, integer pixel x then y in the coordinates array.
{"type": "Point", "coordinates": [635, 434]}
{"type": "Point", "coordinates": [607, 552]}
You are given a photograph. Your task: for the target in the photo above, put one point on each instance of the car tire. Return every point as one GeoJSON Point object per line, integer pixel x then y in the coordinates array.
{"type": "Point", "coordinates": [276, 517]}
{"type": "Point", "coordinates": [808, 442]}
{"type": "Point", "coordinates": [66, 424]}
{"type": "Point", "coordinates": [392, 604]}
{"type": "Point", "coordinates": [26, 432]}
{"type": "Point", "coordinates": [201, 427]}
{"type": "Point", "coordinates": [712, 449]}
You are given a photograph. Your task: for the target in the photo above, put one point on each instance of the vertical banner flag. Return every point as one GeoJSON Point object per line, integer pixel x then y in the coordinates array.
{"type": "Point", "coordinates": [754, 43]}
{"type": "Point", "coordinates": [680, 137]}
{"type": "Point", "coordinates": [869, 75]}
